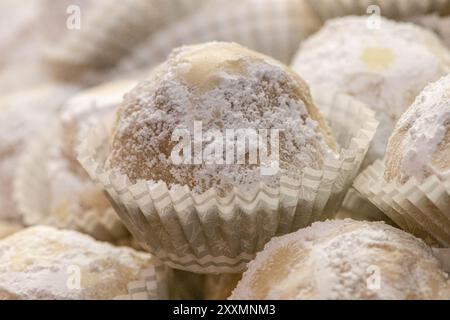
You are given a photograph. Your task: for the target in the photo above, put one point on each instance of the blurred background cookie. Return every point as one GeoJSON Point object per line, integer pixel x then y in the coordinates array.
{"type": "Point", "coordinates": [109, 31]}
{"type": "Point", "coordinates": [46, 263]}
{"type": "Point", "coordinates": [22, 115]}
{"type": "Point", "coordinates": [52, 188]}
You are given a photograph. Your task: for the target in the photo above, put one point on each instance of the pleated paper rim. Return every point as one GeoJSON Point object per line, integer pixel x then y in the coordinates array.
{"type": "Point", "coordinates": [422, 208]}
{"type": "Point", "coordinates": [359, 208]}
{"type": "Point", "coordinates": [152, 284]}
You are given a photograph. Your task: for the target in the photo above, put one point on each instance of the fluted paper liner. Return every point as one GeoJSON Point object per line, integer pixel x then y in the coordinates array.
{"type": "Point", "coordinates": [210, 234]}
{"type": "Point", "coordinates": [422, 208]}
{"type": "Point", "coordinates": [358, 207]}
{"type": "Point", "coordinates": [152, 284]}
{"type": "Point", "coordinates": [32, 194]}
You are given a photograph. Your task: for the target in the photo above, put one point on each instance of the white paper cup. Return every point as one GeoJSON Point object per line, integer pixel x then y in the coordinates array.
{"type": "Point", "coordinates": [210, 234]}
{"type": "Point", "coordinates": [357, 207]}
{"type": "Point", "coordinates": [422, 208]}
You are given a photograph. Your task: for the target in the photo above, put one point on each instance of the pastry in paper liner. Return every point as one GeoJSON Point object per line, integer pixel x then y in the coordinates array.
{"type": "Point", "coordinates": [210, 234]}
{"type": "Point", "coordinates": [420, 208]}
{"type": "Point", "coordinates": [272, 27]}
{"type": "Point", "coordinates": [397, 9]}
{"type": "Point", "coordinates": [109, 31]}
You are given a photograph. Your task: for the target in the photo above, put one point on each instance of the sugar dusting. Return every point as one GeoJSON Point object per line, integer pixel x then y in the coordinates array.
{"type": "Point", "coordinates": [425, 130]}
{"type": "Point", "coordinates": [385, 68]}
{"type": "Point", "coordinates": [337, 260]}
{"type": "Point", "coordinates": [36, 263]}
{"type": "Point", "coordinates": [226, 87]}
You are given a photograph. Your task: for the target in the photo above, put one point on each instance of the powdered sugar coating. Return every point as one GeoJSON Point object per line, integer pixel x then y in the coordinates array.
{"type": "Point", "coordinates": [385, 67]}
{"type": "Point", "coordinates": [345, 259]}
{"type": "Point", "coordinates": [225, 86]}
{"type": "Point", "coordinates": [37, 263]}
{"type": "Point", "coordinates": [420, 143]}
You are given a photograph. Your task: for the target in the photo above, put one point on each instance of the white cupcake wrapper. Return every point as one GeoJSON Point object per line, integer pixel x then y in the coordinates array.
{"type": "Point", "coordinates": [359, 208]}
{"type": "Point", "coordinates": [272, 27]}
{"type": "Point", "coordinates": [32, 196]}
{"type": "Point", "coordinates": [152, 284]}
{"type": "Point", "coordinates": [209, 234]}
{"type": "Point", "coordinates": [327, 9]}
{"type": "Point", "coordinates": [420, 208]}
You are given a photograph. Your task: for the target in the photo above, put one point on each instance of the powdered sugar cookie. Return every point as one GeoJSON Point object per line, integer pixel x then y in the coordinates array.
{"type": "Point", "coordinates": [45, 263]}
{"type": "Point", "coordinates": [196, 211]}
{"type": "Point", "coordinates": [345, 259]}
{"type": "Point", "coordinates": [386, 67]}
{"type": "Point", "coordinates": [420, 144]}
{"type": "Point", "coordinates": [412, 186]}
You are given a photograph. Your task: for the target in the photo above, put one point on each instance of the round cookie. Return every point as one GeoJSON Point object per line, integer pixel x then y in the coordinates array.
{"type": "Point", "coordinates": [345, 259]}
{"type": "Point", "coordinates": [385, 67]}
{"type": "Point", "coordinates": [46, 263]}
{"type": "Point", "coordinates": [223, 86]}
{"type": "Point", "coordinates": [420, 144]}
